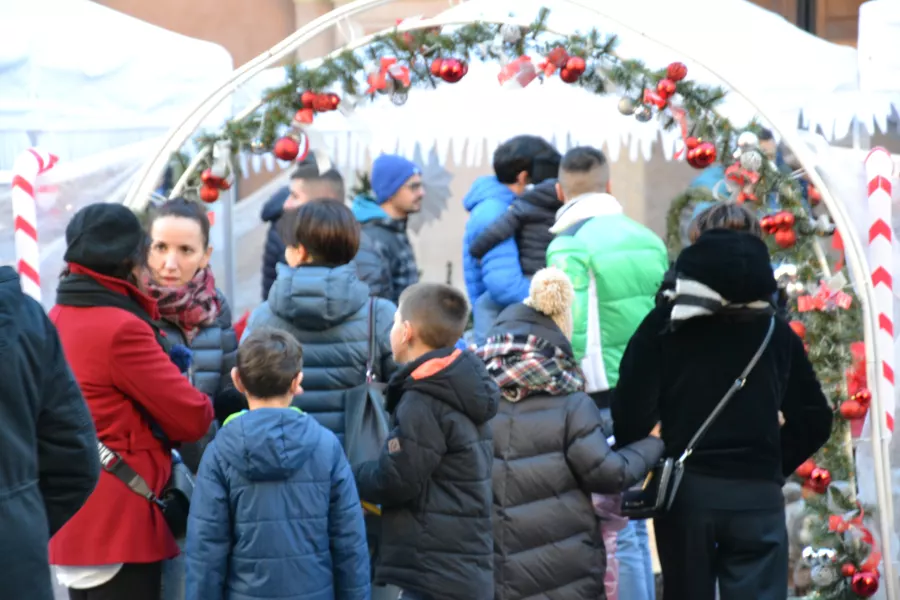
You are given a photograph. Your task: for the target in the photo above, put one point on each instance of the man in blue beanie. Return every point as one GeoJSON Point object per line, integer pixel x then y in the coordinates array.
{"type": "Point", "coordinates": [398, 190]}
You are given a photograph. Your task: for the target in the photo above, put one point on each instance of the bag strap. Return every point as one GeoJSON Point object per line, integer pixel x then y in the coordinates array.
{"type": "Point", "coordinates": [735, 387]}
{"type": "Point", "coordinates": [370, 355]}
{"type": "Point", "coordinates": [116, 466]}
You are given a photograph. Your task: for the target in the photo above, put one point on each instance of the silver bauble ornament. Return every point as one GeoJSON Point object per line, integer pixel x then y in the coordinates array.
{"type": "Point", "coordinates": [809, 556]}
{"type": "Point", "coordinates": [786, 272]}
{"type": "Point", "coordinates": [825, 556]}
{"type": "Point", "coordinates": [824, 575]}
{"type": "Point", "coordinates": [748, 141]}
{"type": "Point", "coordinates": [643, 113]}
{"type": "Point", "coordinates": [510, 33]}
{"type": "Point", "coordinates": [823, 225]}
{"type": "Point", "coordinates": [257, 146]}
{"type": "Point", "coordinates": [795, 289]}
{"type": "Point", "coordinates": [626, 106]}
{"type": "Point", "coordinates": [399, 97]}
{"type": "Point", "coordinates": [751, 160]}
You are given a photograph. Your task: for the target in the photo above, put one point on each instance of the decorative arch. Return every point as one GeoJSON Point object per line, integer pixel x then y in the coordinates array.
{"type": "Point", "coordinates": [677, 102]}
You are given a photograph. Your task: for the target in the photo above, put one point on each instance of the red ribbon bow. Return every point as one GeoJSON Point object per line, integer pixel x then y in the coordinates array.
{"type": "Point", "coordinates": [389, 67]}
{"type": "Point", "coordinates": [521, 69]}
{"type": "Point", "coordinates": [824, 299]}
{"type": "Point", "coordinates": [839, 524]}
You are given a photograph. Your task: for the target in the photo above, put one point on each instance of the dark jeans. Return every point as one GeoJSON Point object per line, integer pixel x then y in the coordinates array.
{"type": "Point", "coordinates": [407, 595]}
{"type": "Point", "coordinates": [727, 531]}
{"type": "Point", "coordinates": [132, 582]}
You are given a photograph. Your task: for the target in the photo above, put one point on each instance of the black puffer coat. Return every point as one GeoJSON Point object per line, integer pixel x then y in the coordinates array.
{"type": "Point", "coordinates": [274, 250]}
{"type": "Point", "coordinates": [550, 454]}
{"type": "Point", "coordinates": [529, 219]}
{"type": "Point", "coordinates": [433, 479]}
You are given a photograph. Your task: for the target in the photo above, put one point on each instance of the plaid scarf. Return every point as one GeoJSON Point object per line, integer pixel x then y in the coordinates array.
{"type": "Point", "coordinates": [526, 365]}
{"type": "Point", "coordinates": [192, 306]}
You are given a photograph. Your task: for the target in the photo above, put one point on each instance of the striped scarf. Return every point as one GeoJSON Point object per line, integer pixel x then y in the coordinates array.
{"type": "Point", "coordinates": [691, 299]}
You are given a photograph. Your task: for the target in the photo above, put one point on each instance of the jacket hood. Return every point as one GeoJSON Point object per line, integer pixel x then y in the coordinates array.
{"type": "Point", "coordinates": [365, 209]}
{"type": "Point", "coordinates": [267, 444]}
{"type": "Point", "coordinates": [317, 298]}
{"type": "Point", "coordinates": [274, 206]}
{"type": "Point", "coordinates": [543, 196]}
{"type": "Point", "coordinates": [521, 320]}
{"type": "Point", "coordinates": [733, 263]}
{"type": "Point", "coordinates": [485, 188]}
{"type": "Point", "coordinates": [586, 206]}
{"type": "Point", "coordinates": [456, 378]}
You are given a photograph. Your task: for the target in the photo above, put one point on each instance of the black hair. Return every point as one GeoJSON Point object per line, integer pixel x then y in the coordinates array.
{"type": "Point", "coordinates": [184, 209]}
{"type": "Point", "coordinates": [328, 231]}
{"type": "Point", "coordinates": [582, 159]}
{"type": "Point", "coordinates": [765, 134]}
{"type": "Point", "coordinates": [529, 153]}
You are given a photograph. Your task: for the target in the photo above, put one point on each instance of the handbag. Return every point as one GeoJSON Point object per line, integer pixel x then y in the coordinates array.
{"type": "Point", "coordinates": [655, 495]}
{"type": "Point", "coordinates": [365, 420]}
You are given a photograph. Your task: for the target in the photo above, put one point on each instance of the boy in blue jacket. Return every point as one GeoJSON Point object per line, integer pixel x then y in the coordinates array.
{"type": "Point", "coordinates": [275, 512]}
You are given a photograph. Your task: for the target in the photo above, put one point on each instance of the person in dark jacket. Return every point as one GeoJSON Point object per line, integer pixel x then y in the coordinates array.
{"type": "Point", "coordinates": [727, 521]}
{"type": "Point", "coordinates": [528, 221]}
{"type": "Point", "coordinates": [398, 192]}
{"type": "Point", "coordinates": [275, 513]}
{"type": "Point", "coordinates": [273, 251]}
{"type": "Point", "coordinates": [314, 179]}
{"type": "Point", "coordinates": [319, 299]}
{"type": "Point", "coordinates": [141, 405]}
{"type": "Point", "coordinates": [48, 451]}
{"type": "Point", "coordinates": [550, 453]}
{"type": "Point", "coordinates": [433, 478]}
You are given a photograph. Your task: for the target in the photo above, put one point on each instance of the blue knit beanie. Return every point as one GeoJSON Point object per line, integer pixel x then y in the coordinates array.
{"type": "Point", "coordinates": [389, 173]}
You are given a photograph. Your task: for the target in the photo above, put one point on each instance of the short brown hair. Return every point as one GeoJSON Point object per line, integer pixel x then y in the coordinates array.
{"type": "Point", "coordinates": [327, 230]}
{"type": "Point", "coordinates": [437, 312]}
{"type": "Point", "coordinates": [583, 170]}
{"type": "Point", "coordinates": [268, 360]}
{"type": "Point", "coordinates": [724, 215]}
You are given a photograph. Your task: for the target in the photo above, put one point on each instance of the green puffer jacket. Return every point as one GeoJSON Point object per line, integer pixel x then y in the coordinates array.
{"type": "Point", "coordinates": [616, 266]}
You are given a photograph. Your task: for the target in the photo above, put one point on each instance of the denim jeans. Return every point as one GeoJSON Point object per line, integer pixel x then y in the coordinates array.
{"type": "Point", "coordinates": [173, 576]}
{"type": "Point", "coordinates": [484, 312]}
{"type": "Point", "coordinates": [636, 580]}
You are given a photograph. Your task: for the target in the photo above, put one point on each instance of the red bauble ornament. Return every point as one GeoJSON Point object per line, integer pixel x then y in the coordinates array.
{"type": "Point", "coordinates": [665, 88]}
{"type": "Point", "coordinates": [655, 99]}
{"type": "Point", "coordinates": [799, 328]}
{"type": "Point", "coordinates": [576, 64]}
{"type": "Point", "coordinates": [863, 396]}
{"type": "Point", "coordinates": [864, 584]}
{"type": "Point", "coordinates": [304, 116]}
{"type": "Point", "coordinates": [848, 570]}
{"type": "Point", "coordinates": [785, 238]}
{"type": "Point", "coordinates": [691, 143]}
{"type": "Point", "coordinates": [558, 57]}
{"type": "Point", "coordinates": [676, 71]}
{"type": "Point", "coordinates": [569, 76]}
{"type": "Point", "coordinates": [703, 155]}
{"type": "Point", "coordinates": [852, 410]}
{"type": "Point", "coordinates": [452, 70]}
{"type": "Point", "coordinates": [784, 220]}
{"type": "Point", "coordinates": [213, 181]}
{"type": "Point", "coordinates": [287, 148]}
{"type": "Point", "coordinates": [333, 101]}
{"type": "Point", "coordinates": [806, 469]}
{"type": "Point", "coordinates": [819, 480]}
{"type": "Point", "coordinates": [209, 194]}
{"type": "Point", "coordinates": [436, 67]}
{"type": "Point", "coordinates": [308, 99]}
{"type": "Point", "coordinates": [321, 103]}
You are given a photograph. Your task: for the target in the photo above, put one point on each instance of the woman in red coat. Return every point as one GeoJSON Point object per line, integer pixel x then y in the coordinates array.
{"type": "Point", "coordinates": [114, 546]}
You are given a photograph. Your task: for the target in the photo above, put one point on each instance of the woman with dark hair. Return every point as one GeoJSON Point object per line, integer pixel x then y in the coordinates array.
{"type": "Point", "coordinates": [142, 407]}
{"type": "Point", "coordinates": [727, 523]}
{"type": "Point", "coordinates": [318, 298]}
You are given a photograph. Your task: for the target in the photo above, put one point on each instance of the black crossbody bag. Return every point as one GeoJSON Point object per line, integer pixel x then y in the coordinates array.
{"type": "Point", "coordinates": [657, 492]}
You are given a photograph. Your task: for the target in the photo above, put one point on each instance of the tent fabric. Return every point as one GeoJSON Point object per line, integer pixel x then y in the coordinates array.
{"type": "Point", "coordinates": [79, 78]}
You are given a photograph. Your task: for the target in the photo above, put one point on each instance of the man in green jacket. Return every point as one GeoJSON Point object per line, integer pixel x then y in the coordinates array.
{"type": "Point", "coordinates": [616, 266]}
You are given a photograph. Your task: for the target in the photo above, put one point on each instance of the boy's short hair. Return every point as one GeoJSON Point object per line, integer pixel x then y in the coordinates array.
{"type": "Point", "coordinates": [438, 312]}
{"type": "Point", "coordinates": [529, 153]}
{"type": "Point", "coordinates": [724, 215]}
{"type": "Point", "coordinates": [268, 361]}
{"type": "Point", "coordinates": [583, 170]}
{"type": "Point", "coordinates": [328, 231]}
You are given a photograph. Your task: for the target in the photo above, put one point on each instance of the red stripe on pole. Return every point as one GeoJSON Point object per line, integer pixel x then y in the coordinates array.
{"type": "Point", "coordinates": [879, 227]}
{"type": "Point", "coordinates": [890, 421]}
{"type": "Point", "coordinates": [881, 275]}
{"type": "Point", "coordinates": [887, 371]}
{"type": "Point", "coordinates": [25, 227]}
{"type": "Point", "coordinates": [37, 156]}
{"type": "Point", "coordinates": [22, 183]}
{"type": "Point", "coordinates": [879, 182]}
{"type": "Point", "coordinates": [885, 323]}
{"type": "Point", "coordinates": [26, 270]}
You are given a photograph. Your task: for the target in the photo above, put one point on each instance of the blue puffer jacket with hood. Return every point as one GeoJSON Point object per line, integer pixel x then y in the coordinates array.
{"type": "Point", "coordinates": [276, 514]}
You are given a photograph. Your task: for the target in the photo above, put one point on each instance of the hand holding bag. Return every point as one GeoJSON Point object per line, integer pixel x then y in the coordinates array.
{"type": "Point", "coordinates": [365, 420]}
{"type": "Point", "coordinates": [655, 496]}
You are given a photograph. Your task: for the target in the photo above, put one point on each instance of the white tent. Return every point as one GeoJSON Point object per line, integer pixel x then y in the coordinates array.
{"type": "Point", "coordinates": [79, 78]}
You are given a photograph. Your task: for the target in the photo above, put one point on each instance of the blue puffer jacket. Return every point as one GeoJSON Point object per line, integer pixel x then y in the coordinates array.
{"type": "Point", "coordinates": [499, 272]}
{"type": "Point", "coordinates": [274, 250]}
{"type": "Point", "coordinates": [327, 310]}
{"type": "Point", "coordinates": [709, 178]}
{"type": "Point", "coordinates": [275, 514]}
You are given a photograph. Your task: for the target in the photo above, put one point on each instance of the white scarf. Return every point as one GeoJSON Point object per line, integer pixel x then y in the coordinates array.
{"type": "Point", "coordinates": [692, 299]}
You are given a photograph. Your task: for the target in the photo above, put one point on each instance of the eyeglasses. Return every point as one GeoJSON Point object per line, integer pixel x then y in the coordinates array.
{"type": "Point", "coordinates": [415, 186]}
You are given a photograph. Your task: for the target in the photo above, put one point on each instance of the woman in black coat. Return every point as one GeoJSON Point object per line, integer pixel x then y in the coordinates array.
{"type": "Point", "coordinates": [550, 454]}
{"type": "Point", "coordinates": [727, 520]}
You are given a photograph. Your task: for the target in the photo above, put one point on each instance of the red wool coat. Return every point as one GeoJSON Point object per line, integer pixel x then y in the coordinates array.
{"type": "Point", "coordinates": [118, 362]}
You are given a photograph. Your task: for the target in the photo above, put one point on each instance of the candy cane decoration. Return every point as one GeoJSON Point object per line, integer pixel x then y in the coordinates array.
{"type": "Point", "coordinates": [879, 169]}
{"type": "Point", "coordinates": [26, 169]}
